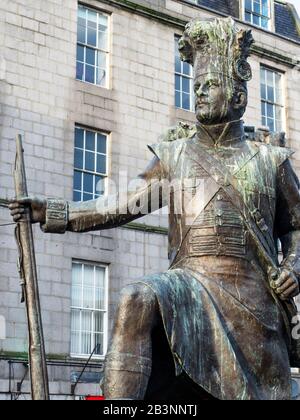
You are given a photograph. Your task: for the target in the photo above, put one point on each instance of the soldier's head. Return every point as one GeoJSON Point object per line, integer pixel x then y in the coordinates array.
{"type": "Point", "coordinates": [218, 51]}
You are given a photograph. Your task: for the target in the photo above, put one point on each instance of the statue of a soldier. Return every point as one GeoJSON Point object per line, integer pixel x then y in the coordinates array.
{"type": "Point", "coordinates": [217, 324]}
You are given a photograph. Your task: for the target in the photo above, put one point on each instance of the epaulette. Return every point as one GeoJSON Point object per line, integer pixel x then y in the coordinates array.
{"type": "Point", "coordinates": [180, 131]}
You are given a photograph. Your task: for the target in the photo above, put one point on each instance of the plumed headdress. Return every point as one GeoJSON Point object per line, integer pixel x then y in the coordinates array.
{"type": "Point", "coordinates": [217, 46]}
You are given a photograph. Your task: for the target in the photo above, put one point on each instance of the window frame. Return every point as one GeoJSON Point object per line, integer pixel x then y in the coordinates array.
{"type": "Point", "coordinates": [275, 104]}
{"type": "Point", "coordinates": [85, 171]}
{"type": "Point", "coordinates": [104, 311]}
{"type": "Point", "coordinates": [253, 13]}
{"type": "Point", "coordinates": [182, 75]}
{"type": "Point", "coordinates": [97, 49]}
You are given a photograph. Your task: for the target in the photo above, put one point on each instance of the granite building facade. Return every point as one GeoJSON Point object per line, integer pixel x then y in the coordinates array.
{"type": "Point", "coordinates": [89, 85]}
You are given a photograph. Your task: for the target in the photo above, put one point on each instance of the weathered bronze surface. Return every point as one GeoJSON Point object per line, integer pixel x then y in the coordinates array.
{"type": "Point", "coordinates": [29, 283]}
{"type": "Point", "coordinates": [217, 324]}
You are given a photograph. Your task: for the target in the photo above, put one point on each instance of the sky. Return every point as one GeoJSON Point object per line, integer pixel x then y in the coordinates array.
{"type": "Point", "coordinates": [296, 3]}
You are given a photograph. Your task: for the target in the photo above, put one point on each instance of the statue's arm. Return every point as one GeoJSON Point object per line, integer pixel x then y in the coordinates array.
{"type": "Point", "coordinates": [287, 221]}
{"type": "Point", "coordinates": [109, 212]}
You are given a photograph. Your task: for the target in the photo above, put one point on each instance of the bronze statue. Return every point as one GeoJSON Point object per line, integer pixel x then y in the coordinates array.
{"type": "Point", "coordinates": [217, 324]}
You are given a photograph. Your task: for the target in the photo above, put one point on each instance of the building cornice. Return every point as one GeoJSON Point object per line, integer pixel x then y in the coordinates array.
{"type": "Point", "coordinates": [147, 12]}
{"type": "Point", "coordinates": [274, 56]}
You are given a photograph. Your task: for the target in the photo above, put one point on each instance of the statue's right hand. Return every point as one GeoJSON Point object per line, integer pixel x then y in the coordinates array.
{"type": "Point", "coordinates": [36, 205]}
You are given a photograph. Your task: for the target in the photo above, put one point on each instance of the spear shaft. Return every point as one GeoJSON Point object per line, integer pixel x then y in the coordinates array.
{"type": "Point", "coordinates": [28, 274]}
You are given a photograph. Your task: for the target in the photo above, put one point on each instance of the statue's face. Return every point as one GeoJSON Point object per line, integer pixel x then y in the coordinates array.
{"type": "Point", "coordinates": [211, 102]}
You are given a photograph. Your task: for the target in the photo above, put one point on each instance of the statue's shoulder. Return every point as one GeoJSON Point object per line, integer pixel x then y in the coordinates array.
{"type": "Point", "coordinates": [271, 146]}
{"type": "Point", "coordinates": [173, 141]}
{"type": "Point", "coordinates": [181, 131]}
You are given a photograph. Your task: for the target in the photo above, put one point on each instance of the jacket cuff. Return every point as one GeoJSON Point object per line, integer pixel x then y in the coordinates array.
{"type": "Point", "coordinates": [57, 216]}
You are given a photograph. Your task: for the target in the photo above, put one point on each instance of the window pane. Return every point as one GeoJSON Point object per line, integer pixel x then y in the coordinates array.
{"type": "Point", "coordinates": [102, 40]}
{"type": "Point", "coordinates": [265, 23]}
{"type": "Point", "coordinates": [77, 180]}
{"type": "Point", "coordinates": [271, 125]}
{"type": "Point", "coordinates": [78, 161]}
{"type": "Point", "coordinates": [186, 69]}
{"type": "Point", "coordinates": [278, 113]}
{"type": "Point", "coordinates": [100, 277]}
{"type": "Point", "coordinates": [248, 5]}
{"type": "Point", "coordinates": [101, 59]}
{"type": "Point", "coordinates": [270, 111]}
{"type": "Point", "coordinates": [265, 8]}
{"type": "Point", "coordinates": [103, 21]}
{"type": "Point", "coordinates": [88, 297]}
{"type": "Point", "coordinates": [88, 286]}
{"type": "Point", "coordinates": [99, 322]}
{"type": "Point", "coordinates": [278, 80]}
{"type": "Point", "coordinates": [100, 298]}
{"type": "Point", "coordinates": [177, 64]}
{"type": "Point", "coordinates": [90, 161]}
{"type": "Point", "coordinates": [278, 98]}
{"type": "Point", "coordinates": [263, 109]}
{"type": "Point", "coordinates": [256, 7]}
{"type": "Point", "coordinates": [248, 17]}
{"type": "Point", "coordinates": [79, 71]}
{"type": "Point", "coordinates": [80, 53]}
{"type": "Point", "coordinates": [278, 85]}
{"type": "Point", "coordinates": [82, 12]}
{"type": "Point", "coordinates": [186, 104]}
{"type": "Point", "coordinates": [89, 74]}
{"type": "Point", "coordinates": [91, 37]}
{"type": "Point", "coordinates": [75, 343]}
{"type": "Point", "coordinates": [76, 196]}
{"type": "Point", "coordinates": [81, 34]}
{"type": "Point", "coordinates": [99, 344]}
{"type": "Point", "coordinates": [77, 296]}
{"type": "Point", "coordinates": [177, 99]}
{"type": "Point", "coordinates": [90, 141]}
{"type": "Point", "coordinates": [89, 271]}
{"type": "Point", "coordinates": [101, 143]}
{"type": "Point", "coordinates": [88, 181]}
{"type": "Point", "coordinates": [100, 77]}
{"type": "Point", "coordinates": [101, 164]}
{"type": "Point", "coordinates": [271, 95]}
{"type": "Point", "coordinates": [270, 78]}
{"type": "Point", "coordinates": [77, 274]}
{"type": "Point", "coordinates": [86, 339]}
{"type": "Point", "coordinates": [185, 85]}
{"type": "Point", "coordinates": [256, 20]}
{"type": "Point", "coordinates": [79, 135]}
{"type": "Point", "coordinates": [90, 56]}
{"type": "Point", "coordinates": [92, 17]}
{"type": "Point", "coordinates": [177, 82]}
{"type": "Point", "coordinates": [75, 320]}
{"type": "Point", "coordinates": [87, 197]}
{"type": "Point", "coordinates": [263, 91]}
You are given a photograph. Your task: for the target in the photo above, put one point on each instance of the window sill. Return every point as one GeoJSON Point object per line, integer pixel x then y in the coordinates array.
{"type": "Point", "coordinates": [85, 87]}
{"type": "Point", "coordinates": [85, 358]}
